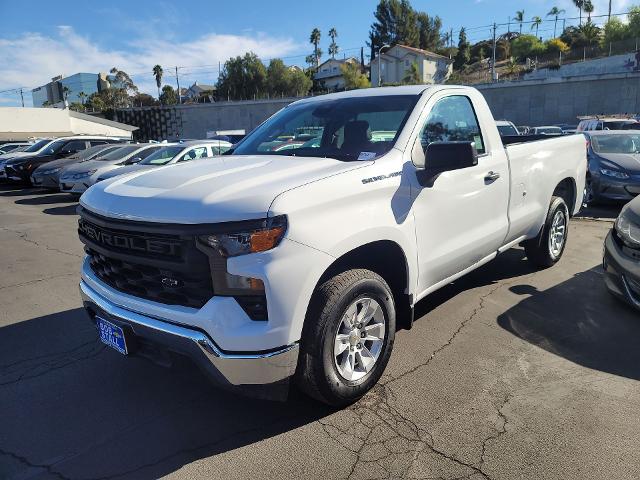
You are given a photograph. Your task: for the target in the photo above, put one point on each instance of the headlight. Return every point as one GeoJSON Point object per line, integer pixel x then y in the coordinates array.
{"type": "Point", "coordinates": [78, 176]}
{"type": "Point", "coordinates": [254, 236]}
{"type": "Point", "coordinates": [613, 173]}
{"type": "Point", "coordinates": [50, 172]}
{"type": "Point", "coordinates": [627, 229]}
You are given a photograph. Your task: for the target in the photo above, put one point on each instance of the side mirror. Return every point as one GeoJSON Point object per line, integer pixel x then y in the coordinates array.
{"type": "Point", "coordinates": [446, 156]}
{"type": "Point", "coordinates": [133, 160]}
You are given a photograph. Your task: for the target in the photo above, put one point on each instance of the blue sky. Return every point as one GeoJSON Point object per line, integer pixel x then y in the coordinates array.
{"type": "Point", "coordinates": [41, 39]}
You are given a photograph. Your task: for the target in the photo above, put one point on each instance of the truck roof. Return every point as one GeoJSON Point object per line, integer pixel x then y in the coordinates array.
{"type": "Point", "coordinates": [373, 92]}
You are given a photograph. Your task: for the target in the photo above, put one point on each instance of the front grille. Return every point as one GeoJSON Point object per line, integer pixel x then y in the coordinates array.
{"type": "Point", "coordinates": [153, 283]}
{"type": "Point", "coordinates": [145, 262]}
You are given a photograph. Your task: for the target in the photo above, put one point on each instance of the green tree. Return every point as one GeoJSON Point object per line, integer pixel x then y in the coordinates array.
{"type": "Point", "coordinates": [527, 46]}
{"type": "Point", "coordinates": [277, 78]}
{"type": "Point", "coordinates": [429, 37]}
{"type": "Point", "coordinates": [299, 83]}
{"type": "Point", "coordinates": [634, 22]}
{"type": "Point", "coordinates": [412, 75]}
{"type": "Point", "coordinates": [65, 92]}
{"type": "Point", "coordinates": [614, 31]}
{"type": "Point", "coordinates": [588, 8]}
{"type": "Point", "coordinates": [520, 18]}
{"type": "Point", "coordinates": [243, 78]}
{"type": "Point", "coordinates": [144, 100]}
{"type": "Point", "coordinates": [463, 56]}
{"type": "Point", "coordinates": [169, 96]}
{"type": "Point", "coordinates": [82, 96]}
{"type": "Point", "coordinates": [123, 80]}
{"type": "Point", "coordinates": [591, 33]}
{"type": "Point", "coordinates": [314, 39]}
{"type": "Point", "coordinates": [579, 5]}
{"type": "Point", "coordinates": [555, 12]}
{"type": "Point", "coordinates": [77, 107]}
{"type": "Point", "coordinates": [157, 73]}
{"type": "Point", "coordinates": [395, 23]}
{"type": "Point", "coordinates": [535, 23]}
{"type": "Point", "coordinates": [333, 47]}
{"type": "Point", "coordinates": [353, 76]}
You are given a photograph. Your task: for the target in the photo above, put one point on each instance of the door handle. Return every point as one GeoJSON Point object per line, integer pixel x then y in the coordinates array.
{"type": "Point", "coordinates": [491, 176]}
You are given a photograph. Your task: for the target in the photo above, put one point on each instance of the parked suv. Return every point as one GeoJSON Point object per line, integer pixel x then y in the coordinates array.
{"type": "Point", "coordinates": [20, 169]}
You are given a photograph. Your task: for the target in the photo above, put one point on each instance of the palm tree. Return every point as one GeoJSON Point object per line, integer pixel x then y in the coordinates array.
{"type": "Point", "coordinates": [157, 72]}
{"type": "Point", "coordinates": [555, 12]}
{"type": "Point", "coordinates": [519, 18]}
{"type": "Point", "coordinates": [82, 96]}
{"type": "Point", "coordinates": [333, 48]}
{"type": "Point", "coordinates": [412, 75]}
{"type": "Point", "coordinates": [535, 23]}
{"type": "Point", "coordinates": [314, 39]}
{"type": "Point", "coordinates": [579, 4]}
{"type": "Point", "coordinates": [588, 8]}
{"type": "Point", "coordinates": [65, 92]}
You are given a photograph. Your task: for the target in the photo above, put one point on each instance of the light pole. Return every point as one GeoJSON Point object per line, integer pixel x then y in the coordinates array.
{"type": "Point", "coordinates": [380, 61]}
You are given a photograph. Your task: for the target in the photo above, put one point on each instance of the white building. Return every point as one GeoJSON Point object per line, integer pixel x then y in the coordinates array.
{"type": "Point", "coordinates": [397, 60]}
{"type": "Point", "coordinates": [19, 123]}
{"type": "Point", "coordinates": [330, 73]}
{"type": "Point", "coordinates": [200, 93]}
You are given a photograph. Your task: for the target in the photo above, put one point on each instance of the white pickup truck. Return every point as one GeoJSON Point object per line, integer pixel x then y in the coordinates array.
{"type": "Point", "coordinates": [302, 262]}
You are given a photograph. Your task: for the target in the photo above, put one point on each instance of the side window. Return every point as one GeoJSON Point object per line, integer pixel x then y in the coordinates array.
{"type": "Point", "coordinates": [452, 119]}
{"type": "Point", "coordinates": [145, 153]}
{"type": "Point", "coordinates": [194, 154]}
{"type": "Point", "coordinates": [74, 146]}
{"type": "Point", "coordinates": [93, 143]}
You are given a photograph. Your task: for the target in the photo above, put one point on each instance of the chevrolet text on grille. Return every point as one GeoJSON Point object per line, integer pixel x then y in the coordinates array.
{"type": "Point", "coordinates": [128, 242]}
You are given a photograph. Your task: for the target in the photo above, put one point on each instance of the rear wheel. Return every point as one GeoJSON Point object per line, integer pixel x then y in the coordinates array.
{"type": "Point", "coordinates": [348, 337]}
{"type": "Point", "coordinates": [547, 248]}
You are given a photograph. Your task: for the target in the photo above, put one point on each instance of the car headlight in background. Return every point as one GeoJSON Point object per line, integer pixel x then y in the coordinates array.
{"type": "Point", "coordinates": [86, 174]}
{"type": "Point", "coordinates": [252, 237]}
{"type": "Point", "coordinates": [613, 173]}
{"type": "Point", "coordinates": [50, 171]}
{"type": "Point", "coordinates": [627, 229]}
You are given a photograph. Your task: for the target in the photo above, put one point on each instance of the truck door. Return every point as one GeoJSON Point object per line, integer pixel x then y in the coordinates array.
{"type": "Point", "coordinates": [461, 217]}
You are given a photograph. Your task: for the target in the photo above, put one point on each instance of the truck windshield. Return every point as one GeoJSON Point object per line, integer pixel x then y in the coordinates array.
{"type": "Point", "coordinates": [355, 128]}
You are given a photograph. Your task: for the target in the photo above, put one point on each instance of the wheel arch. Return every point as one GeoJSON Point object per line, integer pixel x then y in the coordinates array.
{"type": "Point", "coordinates": [387, 259]}
{"type": "Point", "coordinates": [567, 190]}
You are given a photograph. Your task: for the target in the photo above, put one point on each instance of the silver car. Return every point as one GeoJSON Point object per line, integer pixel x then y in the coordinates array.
{"type": "Point", "coordinates": [77, 178]}
{"type": "Point", "coordinates": [171, 154]}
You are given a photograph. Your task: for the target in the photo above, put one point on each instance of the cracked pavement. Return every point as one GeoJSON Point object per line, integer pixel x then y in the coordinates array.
{"type": "Point", "coordinates": [508, 373]}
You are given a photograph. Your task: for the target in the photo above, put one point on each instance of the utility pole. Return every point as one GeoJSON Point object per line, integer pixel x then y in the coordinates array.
{"type": "Point", "coordinates": [451, 38]}
{"type": "Point", "coordinates": [609, 18]}
{"type": "Point", "coordinates": [178, 82]}
{"type": "Point", "coordinates": [21, 96]}
{"type": "Point", "coordinates": [493, 56]}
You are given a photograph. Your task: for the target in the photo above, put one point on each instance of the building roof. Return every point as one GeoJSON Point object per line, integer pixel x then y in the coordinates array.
{"type": "Point", "coordinates": [201, 87]}
{"type": "Point", "coordinates": [420, 51]}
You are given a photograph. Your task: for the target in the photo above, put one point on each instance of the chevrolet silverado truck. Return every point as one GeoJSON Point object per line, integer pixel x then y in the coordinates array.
{"type": "Point", "coordinates": [268, 266]}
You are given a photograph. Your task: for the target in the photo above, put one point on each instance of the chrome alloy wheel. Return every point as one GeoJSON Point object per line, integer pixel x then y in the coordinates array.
{"type": "Point", "coordinates": [557, 234]}
{"type": "Point", "coordinates": [359, 339]}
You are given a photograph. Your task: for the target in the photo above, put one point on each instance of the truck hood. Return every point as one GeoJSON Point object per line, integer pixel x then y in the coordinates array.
{"type": "Point", "coordinates": [219, 189]}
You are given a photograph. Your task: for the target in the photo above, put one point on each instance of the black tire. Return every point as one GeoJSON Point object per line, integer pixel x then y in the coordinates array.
{"type": "Point", "coordinates": [539, 253]}
{"type": "Point", "coordinates": [591, 197]}
{"type": "Point", "coordinates": [317, 374]}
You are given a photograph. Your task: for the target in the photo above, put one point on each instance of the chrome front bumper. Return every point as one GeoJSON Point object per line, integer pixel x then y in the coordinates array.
{"type": "Point", "coordinates": [226, 369]}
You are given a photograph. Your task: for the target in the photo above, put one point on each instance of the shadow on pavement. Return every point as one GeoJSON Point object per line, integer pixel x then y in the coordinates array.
{"type": "Point", "coordinates": [53, 197]}
{"type": "Point", "coordinates": [71, 408]}
{"type": "Point", "coordinates": [512, 263]}
{"type": "Point", "coordinates": [17, 190]}
{"type": "Point", "coordinates": [580, 321]}
{"type": "Point", "coordinates": [66, 210]}
{"type": "Point", "coordinates": [607, 211]}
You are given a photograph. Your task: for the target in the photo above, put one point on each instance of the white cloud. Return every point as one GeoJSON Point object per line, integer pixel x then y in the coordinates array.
{"type": "Point", "coordinates": [32, 59]}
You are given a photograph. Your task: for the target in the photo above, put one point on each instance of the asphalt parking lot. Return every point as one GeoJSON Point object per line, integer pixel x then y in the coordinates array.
{"type": "Point", "coordinates": [508, 373]}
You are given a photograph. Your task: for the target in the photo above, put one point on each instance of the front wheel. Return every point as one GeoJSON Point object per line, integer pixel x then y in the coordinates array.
{"type": "Point", "coordinates": [547, 248]}
{"type": "Point", "coordinates": [348, 337]}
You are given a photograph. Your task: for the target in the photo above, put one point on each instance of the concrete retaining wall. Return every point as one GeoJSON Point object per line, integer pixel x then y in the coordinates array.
{"type": "Point", "coordinates": [562, 100]}
{"type": "Point", "coordinates": [194, 121]}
